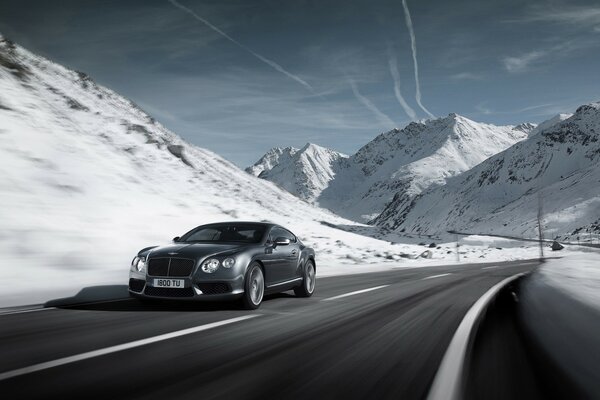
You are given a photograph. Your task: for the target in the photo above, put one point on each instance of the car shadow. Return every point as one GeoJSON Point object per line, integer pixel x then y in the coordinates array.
{"type": "Point", "coordinates": [116, 298]}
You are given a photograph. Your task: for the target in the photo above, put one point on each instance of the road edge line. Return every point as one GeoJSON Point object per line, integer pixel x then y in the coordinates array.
{"type": "Point", "coordinates": [447, 383]}
{"type": "Point", "coordinates": [120, 347]}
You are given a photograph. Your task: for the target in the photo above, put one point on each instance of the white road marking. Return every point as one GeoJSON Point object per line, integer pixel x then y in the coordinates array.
{"type": "Point", "coordinates": [492, 267]}
{"type": "Point", "coordinates": [27, 310]}
{"type": "Point", "coordinates": [120, 347]}
{"type": "Point", "coordinates": [357, 292]}
{"type": "Point", "coordinates": [447, 383]}
{"type": "Point", "coordinates": [436, 276]}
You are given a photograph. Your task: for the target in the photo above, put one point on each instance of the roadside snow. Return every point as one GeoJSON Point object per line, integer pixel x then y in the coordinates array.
{"type": "Point", "coordinates": [578, 274]}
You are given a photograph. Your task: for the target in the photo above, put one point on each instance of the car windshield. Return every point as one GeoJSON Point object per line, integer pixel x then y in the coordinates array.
{"type": "Point", "coordinates": [225, 233]}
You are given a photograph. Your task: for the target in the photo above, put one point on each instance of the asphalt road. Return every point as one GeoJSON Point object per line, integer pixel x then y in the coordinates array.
{"type": "Point", "coordinates": [382, 343]}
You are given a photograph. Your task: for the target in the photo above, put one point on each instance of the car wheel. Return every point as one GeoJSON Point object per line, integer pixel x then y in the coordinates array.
{"type": "Point", "coordinates": [308, 281]}
{"type": "Point", "coordinates": [254, 287]}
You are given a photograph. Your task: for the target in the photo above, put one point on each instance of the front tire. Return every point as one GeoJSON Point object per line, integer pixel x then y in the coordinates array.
{"type": "Point", "coordinates": [254, 287]}
{"type": "Point", "coordinates": [308, 281]}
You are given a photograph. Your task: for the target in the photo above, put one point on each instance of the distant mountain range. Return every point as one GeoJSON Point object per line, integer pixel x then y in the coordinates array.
{"type": "Point", "coordinates": [452, 173]}
{"type": "Point", "coordinates": [396, 165]}
{"type": "Point", "coordinates": [556, 168]}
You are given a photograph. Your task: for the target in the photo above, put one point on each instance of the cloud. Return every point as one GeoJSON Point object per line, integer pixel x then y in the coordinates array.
{"type": "Point", "coordinates": [536, 110]}
{"type": "Point", "coordinates": [413, 44]}
{"type": "Point", "coordinates": [393, 63]}
{"type": "Point", "coordinates": [383, 119]}
{"type": "Point", "coordinates": [483, 109]}
{"type": "Point", "coordinates": [525, 61]}
{"type": "Point", "coordinates": [267, 61]}
{"type": "Point", "coordinates": [576, 15]}
{"type": "Point", "coordinates": [522, 62]}
{"type": "Point", "coordinates": [466, 76]}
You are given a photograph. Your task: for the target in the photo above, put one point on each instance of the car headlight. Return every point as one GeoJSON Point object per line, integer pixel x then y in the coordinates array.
{"type": "Point", "coordinates": [139, 263]}
{"type": "Point", "coordinates": [211, 265]}
{"type": "Point", "coordinates": [228, 262]}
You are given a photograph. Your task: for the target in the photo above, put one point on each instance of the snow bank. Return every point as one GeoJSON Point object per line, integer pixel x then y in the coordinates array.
{"type": "Point", "coordinates": [578, 274]}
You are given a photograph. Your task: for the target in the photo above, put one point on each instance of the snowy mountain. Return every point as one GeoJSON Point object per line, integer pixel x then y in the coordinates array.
{"type": "Point", "coordinates": [88, 179]}
{"type": "Point", "coordinates": [303, 172]}
{"type": "Point", "coordinates": [549, 123]}
{"type": "Point", "coordinates": [560, 164]}
{"type": "Point", "coordinates": [398, 164]}
{"type": "Point", "coordinates": [401, 163]}
{"type": "Point", "coordinates": [271, 159]}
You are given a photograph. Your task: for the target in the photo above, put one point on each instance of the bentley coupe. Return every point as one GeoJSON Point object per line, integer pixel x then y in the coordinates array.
{"type": "Point", "coordinates": [225, 261]}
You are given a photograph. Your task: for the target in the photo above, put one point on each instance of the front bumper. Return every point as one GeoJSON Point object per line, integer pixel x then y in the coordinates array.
{"type": "Point", "coordinates": [204, 288]}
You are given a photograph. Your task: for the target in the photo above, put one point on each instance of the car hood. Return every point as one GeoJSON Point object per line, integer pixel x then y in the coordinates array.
{"type": "Point", "coordinates": [192, 250]}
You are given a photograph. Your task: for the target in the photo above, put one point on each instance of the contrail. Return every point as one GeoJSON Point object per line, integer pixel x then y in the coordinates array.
{"type": "Point", "coordinates": [396, 76]}
{"type": "Point", "coordinates": [270, 63]}
{"type": "Point", "coordinates": [413, 44]}
{"type": "Point", "coordinates": [383, 119]}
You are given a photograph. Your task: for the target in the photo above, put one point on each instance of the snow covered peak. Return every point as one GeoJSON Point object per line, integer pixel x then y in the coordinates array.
{"type": "Point", "coordinates": [316, 151]}
{"type": "Point", "coordinates": [450, 135]}
{"type": "Point", "coordinates": [549, 123]}
{"type": "Point", "coordinates": [590, 107]}
{"type": "Point", "coordinates": [315, 148]}
{"type": "Point", "coordinates": [526, 127]}
{"type": "Point", "coordinates": [303, 172]}
{"type": "Point", "coordinates": [271, 159]}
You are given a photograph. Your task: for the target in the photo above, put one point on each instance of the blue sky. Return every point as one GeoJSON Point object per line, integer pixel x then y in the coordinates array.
{"type": "Point", "coordinates": [278, 73]}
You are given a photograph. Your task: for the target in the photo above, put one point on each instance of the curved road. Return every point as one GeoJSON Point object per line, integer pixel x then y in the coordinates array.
{"type": "Point", "coordinates": [376, 335]}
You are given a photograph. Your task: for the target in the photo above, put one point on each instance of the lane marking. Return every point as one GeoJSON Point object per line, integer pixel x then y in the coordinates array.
{"type": "Point", "coordinates": [353, 293]}
{"type": "Point", "coordinates": [447, 384]}
{"type": "Point", "coordinates": [492, 267]}
{"type": "Point", "coordinates": [120, 347]}
{"type": "Point", "coordinates": [436, 276]}
{"type": "Point", "coordinates": [27, 310]}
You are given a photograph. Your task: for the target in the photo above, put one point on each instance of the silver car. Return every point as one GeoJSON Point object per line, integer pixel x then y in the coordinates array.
{"type": "Point", "coordinates": [225, 261]}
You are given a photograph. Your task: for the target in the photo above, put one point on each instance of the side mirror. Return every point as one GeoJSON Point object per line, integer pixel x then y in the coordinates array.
{"type": "Point", "coordinates": [176, 239]}
{"type": "Point", "coordinates": [281, 241]}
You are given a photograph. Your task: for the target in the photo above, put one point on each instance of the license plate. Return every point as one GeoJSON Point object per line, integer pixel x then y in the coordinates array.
{"type": "Point", "coordinates": [169, 283]}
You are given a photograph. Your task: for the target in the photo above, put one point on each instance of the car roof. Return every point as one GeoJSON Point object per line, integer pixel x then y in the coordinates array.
{"type": "Point", "coordinates": [267, 224]}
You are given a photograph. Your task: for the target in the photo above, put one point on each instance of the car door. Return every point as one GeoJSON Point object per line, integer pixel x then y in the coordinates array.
{"type": "Point", "coordinates": [283, 259]}
{"type": "Point", "coordinates": [274, 262]}
{"type": "Point", "coordinates": [293, 256]}
{"type": "Point", "coordinates": [291, 253]}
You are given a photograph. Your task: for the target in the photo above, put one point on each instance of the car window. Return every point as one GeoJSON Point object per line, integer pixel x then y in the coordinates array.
{"type": "Point", "coordinates": [226, 233]}
{"type": "Point", "coordinates": [280, 232]}
{"type": "Point", "coordinates": [204, 235]}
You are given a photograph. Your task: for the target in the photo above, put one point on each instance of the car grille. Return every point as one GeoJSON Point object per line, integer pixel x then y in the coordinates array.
{"type": "Point", "coordinates": [168, 292]}
{"type": "Point", "coordinates": [178, 267]}
{"type": "Point", "coordinates": [214, 288]}
{"type": "Point", "coordinates": [136, 285]}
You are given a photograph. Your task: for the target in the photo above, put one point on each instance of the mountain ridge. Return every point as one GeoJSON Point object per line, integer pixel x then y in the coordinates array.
{"type": "Point", "coordinates": [559, 164]}
{"type": "Point", "coordinates": [401, 162]}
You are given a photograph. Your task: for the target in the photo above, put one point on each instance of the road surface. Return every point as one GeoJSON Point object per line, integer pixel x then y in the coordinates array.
{"type": "Point", "coordinates": [369, 336]}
